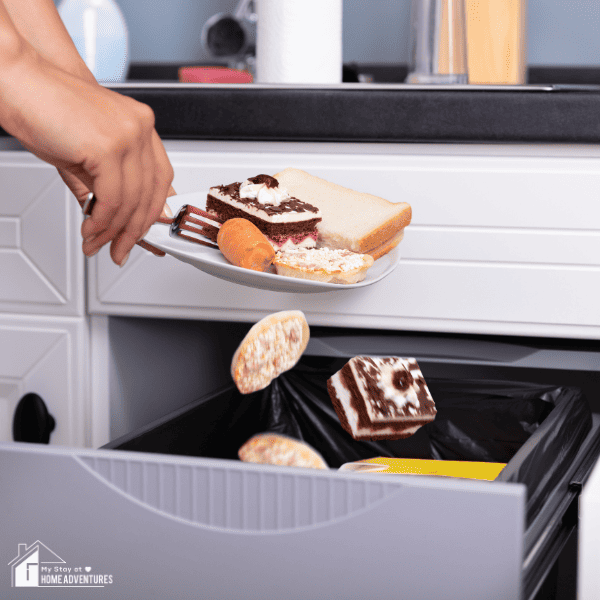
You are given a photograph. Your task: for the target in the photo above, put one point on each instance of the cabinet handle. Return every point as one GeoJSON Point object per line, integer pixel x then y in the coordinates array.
{"type": "Point", "coordinates": [32, 421]}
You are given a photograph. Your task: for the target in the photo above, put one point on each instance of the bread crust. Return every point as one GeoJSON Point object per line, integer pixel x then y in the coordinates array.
{"type": "Point", "coordinates": [387, 246]}
{"type": "Point", "coordinates": [260, 358]}
{"type": "Point", "coordinates": [244, 245]}
{"type": "Point", "coordinates": [322, 275]}
{"type": "Point", "coordinates": [377, 242]}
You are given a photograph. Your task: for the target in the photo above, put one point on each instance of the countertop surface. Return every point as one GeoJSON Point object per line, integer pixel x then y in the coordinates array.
{"type": "Point", "coordinates": [374, 112]}
{"type": "Point", "coordinates": [565, 111]}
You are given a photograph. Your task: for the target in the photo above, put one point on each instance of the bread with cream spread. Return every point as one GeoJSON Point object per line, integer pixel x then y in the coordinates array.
{"type": "Point", "coordinates": [276, 449]}
{"type": "Point", "coordinates": [272, 346]}
{"type": "Point", "coordinates": [323, 264]}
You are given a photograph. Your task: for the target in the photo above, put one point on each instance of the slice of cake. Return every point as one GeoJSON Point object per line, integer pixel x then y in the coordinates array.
{"type": "Point", "coordinates": [352, 220]}
{"type": "Point", "coordinates": [323, 264]}
{"type": "Point", "coordinates": [379, 398]}
{"type": "Point", "coordinates": [286, 221]}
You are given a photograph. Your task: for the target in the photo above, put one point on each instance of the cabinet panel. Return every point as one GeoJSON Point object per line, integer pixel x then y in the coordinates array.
{"type": "Point", "coordinates": [47, 357]}
{"type": "Point", "coordinates": [498, 243]}
{"type": "Point", "coordinates": [41, 265]}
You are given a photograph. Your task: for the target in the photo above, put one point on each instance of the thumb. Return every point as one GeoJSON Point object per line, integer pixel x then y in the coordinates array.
{"type": "Point", "coordinates": [167, 213]}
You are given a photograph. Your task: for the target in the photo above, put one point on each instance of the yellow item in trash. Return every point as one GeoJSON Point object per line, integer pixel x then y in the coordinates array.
{"type": "Point", "coordinates": [415, 466]}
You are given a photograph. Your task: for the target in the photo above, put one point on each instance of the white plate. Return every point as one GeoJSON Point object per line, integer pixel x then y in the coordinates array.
{"type": "Point", "coordinates": [211, 261]}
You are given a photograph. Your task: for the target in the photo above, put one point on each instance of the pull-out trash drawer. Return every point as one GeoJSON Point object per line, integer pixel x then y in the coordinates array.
{"type": "Point", "coordinates": [168, 511]}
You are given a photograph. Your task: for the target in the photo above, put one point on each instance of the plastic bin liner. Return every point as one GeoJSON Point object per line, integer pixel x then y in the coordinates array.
{"type": "Point", "coordinates": [536, 429]}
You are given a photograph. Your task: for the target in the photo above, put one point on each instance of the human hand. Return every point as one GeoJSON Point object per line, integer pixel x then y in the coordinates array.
{"type": "Point", "coordinates": [100, 141]}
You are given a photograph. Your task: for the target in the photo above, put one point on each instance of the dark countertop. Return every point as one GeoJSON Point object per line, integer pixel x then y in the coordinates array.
{"type": "Point", "coordinates": [352, 113]}
{"type": "Point", "coordinates": [566, 110]}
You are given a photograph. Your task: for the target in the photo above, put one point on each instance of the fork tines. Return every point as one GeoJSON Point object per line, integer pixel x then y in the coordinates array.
{"type": "Point", "coordinates": [196, 221]}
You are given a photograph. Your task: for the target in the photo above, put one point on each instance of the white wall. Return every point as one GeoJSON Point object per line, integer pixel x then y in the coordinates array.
{"type": "Point", "coordinates": [560, 32]}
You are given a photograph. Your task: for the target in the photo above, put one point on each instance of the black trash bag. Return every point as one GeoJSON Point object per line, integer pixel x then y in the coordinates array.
{"type": "Point", "coordinates": [536, 429]}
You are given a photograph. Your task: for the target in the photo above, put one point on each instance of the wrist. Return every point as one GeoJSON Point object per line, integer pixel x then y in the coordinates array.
{"type": "Point", "coordinates": [81, 71]}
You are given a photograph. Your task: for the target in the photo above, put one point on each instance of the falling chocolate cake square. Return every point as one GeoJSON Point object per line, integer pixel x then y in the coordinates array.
{"type": "Point", "coordinates": [381, 398]}
{"type": "Point", "coordinates": [286, 221]}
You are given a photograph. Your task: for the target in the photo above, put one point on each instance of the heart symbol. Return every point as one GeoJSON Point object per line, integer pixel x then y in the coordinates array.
{"type": "Point", "coordinates": [88, 569]}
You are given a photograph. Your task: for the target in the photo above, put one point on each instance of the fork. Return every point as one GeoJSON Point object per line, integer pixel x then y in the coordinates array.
{"type": "Point", "coordinates": [193, 219]}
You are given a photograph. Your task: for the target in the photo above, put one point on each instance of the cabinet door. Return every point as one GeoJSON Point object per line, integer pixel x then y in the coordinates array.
{"type": "Point", "coordinates": [499, 243]}
{"type": "Point", "coordinates": [41, 263]}
{"type": "Point", "coordinates": [47, 357]}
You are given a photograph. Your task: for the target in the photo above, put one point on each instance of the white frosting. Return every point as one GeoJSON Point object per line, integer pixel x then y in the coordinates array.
{"type": "Point", "coordinates": [262, 193]}
{"type": "Point", "coordinates": [344, 397]}
{"type": "Point", "coordinates": [384, 381]}
{"type": "Point", "coordinates": [390, 392]}
{"type": "Point", "coordinates": [270, 352]}
{"type": "Point", "coordinates": [307, 242]}
{"type": "Point", "coordinates": [319, 259]}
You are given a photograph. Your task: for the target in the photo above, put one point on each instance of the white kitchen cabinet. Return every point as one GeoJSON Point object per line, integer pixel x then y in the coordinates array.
{"type": "Point", "coordinates": [40, 258]}
{"type": "Point", "coordinates": [504, 240]}
{"type": "Point", "coordinates": [47, 356]}
{"type": "Point", "coordinates": [44, 345]}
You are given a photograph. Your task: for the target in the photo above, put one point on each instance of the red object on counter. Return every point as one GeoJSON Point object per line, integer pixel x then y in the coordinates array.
{"type": "Point", "coordinates": [213, 75]}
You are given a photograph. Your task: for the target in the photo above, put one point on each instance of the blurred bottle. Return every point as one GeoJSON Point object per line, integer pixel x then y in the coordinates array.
{"type": "Point", "coordinates": [99, 31]}
{"type": "Point", "coordinates": [438, 42]}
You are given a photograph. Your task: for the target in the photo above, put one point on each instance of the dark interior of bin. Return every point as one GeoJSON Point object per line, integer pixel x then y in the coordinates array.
{"type": "Point", "coordinates": [535, 428]}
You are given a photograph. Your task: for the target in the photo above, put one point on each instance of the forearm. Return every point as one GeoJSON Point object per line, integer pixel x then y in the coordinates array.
{"type": "Point", "coordinates": [39, 23]}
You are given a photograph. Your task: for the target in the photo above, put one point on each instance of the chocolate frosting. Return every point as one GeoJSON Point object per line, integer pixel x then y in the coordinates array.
{"type": "Point", "coordinates": [364, 422]}
{"type": "Point", "coordinates": [291, 204]}
{"type": "Point", "coordinates": [269, 181]}
{"type": "Point", "coordinates": [272, 230]}
{"type": "Point", "coordinates": [367, 369]}
{"type": "Point", "coordinates": [402, 379]}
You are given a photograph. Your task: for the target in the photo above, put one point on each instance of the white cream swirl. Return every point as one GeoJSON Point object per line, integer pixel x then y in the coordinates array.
{"type": "Point", "coordinates": [262, 193]}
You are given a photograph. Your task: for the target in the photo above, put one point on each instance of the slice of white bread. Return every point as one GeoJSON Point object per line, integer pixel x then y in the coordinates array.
{"type": "Point", "coordinates": [352, 220]}
{"type": "Point", "coordinates": [272, 346]}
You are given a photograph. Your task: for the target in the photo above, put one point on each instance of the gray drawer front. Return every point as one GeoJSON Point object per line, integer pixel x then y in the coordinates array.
{"type": "Point", "coordinates": [202, 528]}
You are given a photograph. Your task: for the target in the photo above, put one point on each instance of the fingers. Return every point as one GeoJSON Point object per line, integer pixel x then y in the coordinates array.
{"type": "Point", "coordinates": [101, 142]}
{"type": "Point", "coordinates": [167, 213]}
{"type": "Point", "coordinates": [130, 183]}
{"type": "Point", "coordinates": [108, 187]}
{"type": "Point", "coordinates": [138, 216]}
{"type": "Point", "coordinates": [117, 218]}
{"type": "Point", "coordinates": [161, 176]}
{"type": "Point", "coordinates": [164, 178]}
{"type": "Point", "coordinates": [77, 182]}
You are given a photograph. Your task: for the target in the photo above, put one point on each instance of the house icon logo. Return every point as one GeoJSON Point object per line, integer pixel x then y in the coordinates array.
{"type": "Point", "coordinates": [25, 567]}
{"type": "Point", "coordinates": [38, 566]}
